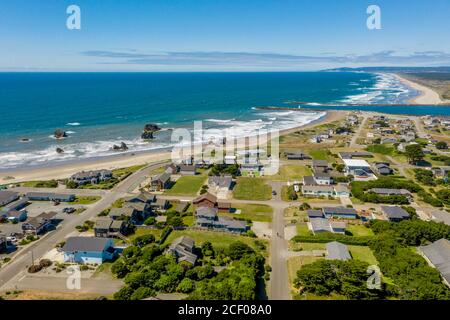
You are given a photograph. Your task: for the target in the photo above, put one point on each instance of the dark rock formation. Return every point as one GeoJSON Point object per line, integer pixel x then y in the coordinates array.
{"type": "Point", "coordinates": [60, 133]}
{"type": "Point", "coordinates": [59, 150]}
{"type": "Point", "coordinates": [149, 129]}
{"type": "Point", "coordinates": [123, 147]}
{"type": "Point", "coordinates": [25, 140]}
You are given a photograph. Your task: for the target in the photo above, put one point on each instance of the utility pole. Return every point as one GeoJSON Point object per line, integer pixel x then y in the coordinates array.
{"type": "Point", "coordinates": [32, 258]}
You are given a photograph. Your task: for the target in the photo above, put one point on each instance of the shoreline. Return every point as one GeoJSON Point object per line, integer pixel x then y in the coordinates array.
{"type": "Point", "coordinates": [64, 170]}
{"type": "Point", "coordinates": [427, 96]}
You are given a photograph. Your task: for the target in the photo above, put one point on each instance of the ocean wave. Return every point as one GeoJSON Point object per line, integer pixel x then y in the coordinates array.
{"type": "Point", "coordinates": [73, 124]}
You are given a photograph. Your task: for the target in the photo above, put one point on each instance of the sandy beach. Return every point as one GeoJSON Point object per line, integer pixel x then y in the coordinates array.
{"type": "Point", "coordinates": [62, 171]}
{"type": "Point", "coordinates": [427, 96]}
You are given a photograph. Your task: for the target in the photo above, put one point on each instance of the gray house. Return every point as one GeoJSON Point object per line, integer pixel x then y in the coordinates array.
{"type": "Point", "coordinates": [394, 213]}
{"type": "Point", "coordinates": [337, 251]}
{"type": "Point", "coordinates": [7, 197]}
{"type": "Point", "coordinates": [94, 176]}
{"type": "Point", "coordinates": [207, 217]}
{"type": "Point", "coordinates": [49, 196]}
{"type": "Point", "coordinates": [296, 155]}
{"type": "Point", "coordinates": [437, 255]}
{"type": "Point", "coordinates": [183, 248]}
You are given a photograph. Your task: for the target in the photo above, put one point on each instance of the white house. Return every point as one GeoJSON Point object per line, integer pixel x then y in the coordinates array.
{"type": "Point", "coordinates": [360, 169]}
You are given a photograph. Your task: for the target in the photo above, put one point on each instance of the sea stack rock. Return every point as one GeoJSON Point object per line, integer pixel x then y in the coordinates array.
{"type": "Point", "coordinates": [60, 133]}
{"type": "Point", "coordinates": [149, 129]}
{"type": "Point", "coordinates": [123, 147]}
{"type": "Point", "coordinates": [59, 150]}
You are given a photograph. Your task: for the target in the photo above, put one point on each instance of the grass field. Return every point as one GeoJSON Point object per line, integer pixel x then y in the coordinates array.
{"type": "Point", "coordinates": [363, 254]}
{"type": "Point", "coordinates": [381, 148]}
{"type": "Point", "coordinates": [295, 263]}
{"type": "Point", "coordinates": [187, 186]}
{"type": "Point", "coordinates": [40, 184]}
{"type": "Point", "coordinates": [85, 199]}
{"type": "Point", "coordinates": [218, 239]}
{"type": "Point", "coordinates": [302, 229]}
{"type": "Point", "coordinates": [290, 172]}
{"type": "Point", "coordinates": [254, 212]}
{"type": "Point", "coordinates": [307, 246]}
{"type": "Point", "coordinates": [358, 230]}
{"type": "Point", "coordinates": [143, 231]}
{"type": "Point", "coordinates": [252, 189]}
{"type": "Point", "coordinates": [319, 154]}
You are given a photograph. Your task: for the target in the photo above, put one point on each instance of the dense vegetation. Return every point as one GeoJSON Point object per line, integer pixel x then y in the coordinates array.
{"type": "Point", "coordinates": [326, 237]}
{"type": "Point", "coordinates": [424, 176]}
{"type": "Point", "coordinates": [360, 188]}
{"type": "Point", "coordinates": [147, 270]}
{"type": "Point", "coordinates": [348, 278]}
{"type": "Point", "coordinates": [224, 169]}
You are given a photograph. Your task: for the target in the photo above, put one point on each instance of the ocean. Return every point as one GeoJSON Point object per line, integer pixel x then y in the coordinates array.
{"type": "Point", "coordinates": [98, 110]}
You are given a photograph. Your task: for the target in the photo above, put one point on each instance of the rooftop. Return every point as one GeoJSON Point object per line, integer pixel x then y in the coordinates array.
{"type": "Point", "coordinates": [85, 244]}
{"type": "Point", "coordinates": [337, 251]}
{"type": "Point", "coordinates": [356, 163]}
{"type": "Point", "coordinates": [438, 253]}
{"type": "Point", "coordinates": [393, 212]}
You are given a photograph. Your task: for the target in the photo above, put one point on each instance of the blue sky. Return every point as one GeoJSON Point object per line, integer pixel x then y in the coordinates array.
{"type": "Point", "coordinates": [221, 35]}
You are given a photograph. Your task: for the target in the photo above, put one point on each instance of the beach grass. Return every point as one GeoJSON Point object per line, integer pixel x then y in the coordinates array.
{"type": "Point", "coordinates": [252, 189]}
{"type": "Point", "coordinates": [40, 184]}
{"type": "Point", "coordinates": [187, 186]}
{"type": "Point", "coordinates": [290, 172]}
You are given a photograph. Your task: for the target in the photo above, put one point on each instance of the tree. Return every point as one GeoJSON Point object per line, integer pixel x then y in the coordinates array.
{"type": "Point", "coordinates": [144, 240]}
{"type": "Point", "coordinates": [186, 285]}
{"type": "Point", "coordinates": [149, 221]}
{"type": "Point", "coordinates": [414, 153]}
{"type": "Point", "coordinates": [141, 293]}
{"type": "Point", "coordinates": [291, 194]}
{"type": "Point", "coordinates": [207, 249]}
{"type": "Point", "coordinates": [441, 145]}
{"type": "Point", "coordinates": [238, 249]}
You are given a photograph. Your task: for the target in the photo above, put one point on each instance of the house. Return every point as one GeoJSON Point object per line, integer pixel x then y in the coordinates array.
{"type": "Point", "coordinates": [296, 155]}
{"type": "Point", "coordinates": [323, 179]}
{"type": "Point", "coordinates": [182, 206]}
{"type": "Point", "coordinates": [223, 206]}
{"type": "Point", "coordinates": [183, 249]}
{"type": "Point", "coordinates": [160, 181]}
{"type": "Point", "coordinates": [341, 190]}
{"type": "Point", "coordinates": [17, 216]}
{"type": "Point", "coordinates": [252, 169]}
{"type": "Point", "coordinates": [340, 212]}
{"type": "Point", "coordinates": [188, 170]}
{"type": "Point", "coordinates": [48, 196]}
{"type": "Point", "coordinates": [143, 197]}
{"type": "Point", "coordinates": [360, 169]}
{"type": "Point", "coordinates": [108, 228]}
{"type": "Point", "coordinates": [314, 213]}
{"type": "Point", "coordinates": [94, 176]}
{"type": "Point", "coordinates": [126, 212]}
{"type": "Point", "coordinates": [394, 213]}
{"type": "Point", "coordinates": [391, 192]}
{"type": "Point", "coordinates": [90, 250]}
{"type": "Point", "coordinates": [309, 181]}
{"type": "Point", "coordinates": [337, 251]}
{"type": "Point", "coordinates": [319, 225]}
{"type": "Point", "coordinates": [383, 168]}
{"type": "Point", "coordinates": [388, 140]}
{"type": "Point", "coordinates": [441, 216]}
{"type": "Point", "coordinates": [338, 226]}
{"type": "Point", "coordinates": [3, 243]}
{"type": "Point", "coordinates": [6, 197]}
{"type": "Point", "coordinates": [358, 154]}
{"type": "Point", "coordinates": [437, 255]}
{"type": "Point", "coordinates": [160, 204]}
{"type": "Point", "coordinates": [39, 224]}
{"type": "Point", "coordinates": [315, 139]}
{"type": "Point", "coordinates": [441, 171]}
{"type": "Point", "coordinates": [318, 191]}
{"type": "Point", "coordinates": [205, 200]}
{"type": "Point", "coordinates": [220, 184]}
{"type": "Point", "coordinates": [320, 166]}
{"type": "Point", "coordinates": [172, 168]}
{"type": "Point", "coordinates": [207, 217]}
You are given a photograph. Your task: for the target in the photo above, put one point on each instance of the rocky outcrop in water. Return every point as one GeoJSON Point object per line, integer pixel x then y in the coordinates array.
{"type": "Point", "coordinates": [59, 150]}
{"type": "Point", "coordinates": [60, 133]}
{"type": "Point", "coordinates": [123, 147]}
{"type": "Point", "coordinates": [149, 129]}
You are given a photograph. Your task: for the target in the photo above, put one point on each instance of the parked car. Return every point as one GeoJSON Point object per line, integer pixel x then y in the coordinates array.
{"type": "Point", "coordinates": [274, 193]}
{"type": "Point", "coordinates": [69, 210]}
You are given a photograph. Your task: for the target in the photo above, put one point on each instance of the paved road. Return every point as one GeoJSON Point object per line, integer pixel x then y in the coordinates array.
{"type": "Point", "coordinates": [17, 267]}
{"type": "Point", "coordinates": [353, 143]}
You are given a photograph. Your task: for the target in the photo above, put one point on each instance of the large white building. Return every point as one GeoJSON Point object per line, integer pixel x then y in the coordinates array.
{"type": "Point", "coordinates": [359, 168]}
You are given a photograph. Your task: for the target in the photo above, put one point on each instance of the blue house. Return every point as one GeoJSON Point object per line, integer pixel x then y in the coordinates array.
{"type": "Point", "coordinates": [88, 250]}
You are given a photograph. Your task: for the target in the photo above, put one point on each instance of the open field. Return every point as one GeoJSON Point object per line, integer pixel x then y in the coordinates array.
{"type": "Point", "coordinates": [363, 253]}
{"type": "Point", "coordinates": [85, 200]}
{"type": "Point", "coordinates": [187, 186]}
{"type": "Point", "coordinates": [252, 189]}
{"type": "Point", "coordinates": [358, 230]}
{"type": "Point", "coordinates": [290, 172]}
{"type": "Point", "coordinates": [254, 212]}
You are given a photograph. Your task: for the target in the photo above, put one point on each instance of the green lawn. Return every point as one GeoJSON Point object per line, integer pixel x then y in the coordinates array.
{"type": "Point", "coordinates": [358, 230]}
{"type": "Point", "coordinates": [363, 254]}
{"type": "Point", "coordinates": [381, 148]}
{"type": "Point", "coordinates": [290, 172]}
{"type": "Point", "coordinates": [218, 239]}
{"type": "Point", "coordinates": [144, 231]}
{"type": "Point", "coordinates": [302, 229]}
{"type": "Point", "coordinates": [128, 170]}
{"type": "Point", "coordinates": [40, 184]}
{"type": "Point", "coordinates": [319, 154]}
{"type": "Point", "coordinates": [85, 199]}
{"type": "Point", "coordinates": [252, 189]}
{"type": "Point", "coordinates": [187, 186]}
{"type": "Point", "coordinates": [254, 212]}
